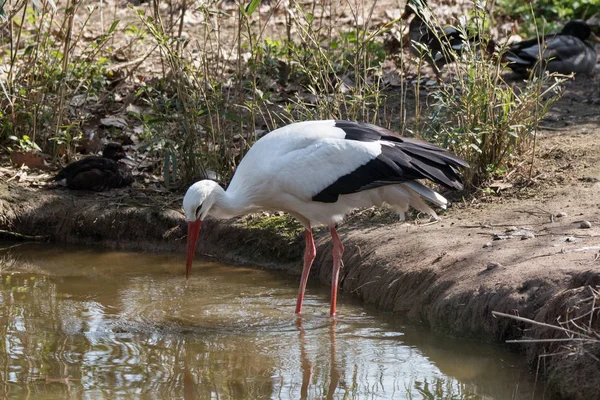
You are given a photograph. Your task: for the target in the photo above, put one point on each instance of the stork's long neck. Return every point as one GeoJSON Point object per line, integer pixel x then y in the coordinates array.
{"type": "Point", "coordinates": [229, 204]}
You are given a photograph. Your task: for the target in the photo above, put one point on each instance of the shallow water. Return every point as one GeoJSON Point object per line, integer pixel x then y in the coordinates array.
{"type": "Point", "coordinates": [87, 324]}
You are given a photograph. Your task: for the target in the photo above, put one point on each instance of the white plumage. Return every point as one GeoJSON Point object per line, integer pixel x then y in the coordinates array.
{"type": "Point", "coordinates": [318, 171]}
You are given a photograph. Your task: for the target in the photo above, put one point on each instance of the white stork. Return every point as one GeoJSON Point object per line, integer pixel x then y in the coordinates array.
{"type": "Point", "coordinates": [318, 171]}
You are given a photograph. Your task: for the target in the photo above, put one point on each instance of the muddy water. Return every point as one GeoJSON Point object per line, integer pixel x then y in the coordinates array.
{"type": "Point", "coordinates": [84, 324]}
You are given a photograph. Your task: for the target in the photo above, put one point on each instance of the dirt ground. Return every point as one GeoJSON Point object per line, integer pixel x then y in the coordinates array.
{"type": "Point", "coordinates": [527, 247]}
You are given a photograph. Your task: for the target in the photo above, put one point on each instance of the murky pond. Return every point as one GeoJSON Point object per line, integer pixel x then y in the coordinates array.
{"type": "Point", "coordinates": [87, 324]}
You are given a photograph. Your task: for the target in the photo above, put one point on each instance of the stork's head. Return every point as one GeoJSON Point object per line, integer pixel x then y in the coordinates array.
{"type": "Point", "coordinates": [197, 202]}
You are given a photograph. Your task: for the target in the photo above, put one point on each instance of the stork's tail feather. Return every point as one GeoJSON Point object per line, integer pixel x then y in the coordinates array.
{"type": "Point", "coordinates": [435, 163]}
{"type": "Point", "coordinates": [427, 193]}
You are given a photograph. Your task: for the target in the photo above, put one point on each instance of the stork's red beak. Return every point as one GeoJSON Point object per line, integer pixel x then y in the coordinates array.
{"type": "Point", "coordinates": [192, 236]}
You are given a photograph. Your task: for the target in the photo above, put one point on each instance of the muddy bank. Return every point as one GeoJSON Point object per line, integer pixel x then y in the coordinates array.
{"type": "Point", "coordinates": [436, 274]}
{"type": "Point", "coordinates": [132, 220]}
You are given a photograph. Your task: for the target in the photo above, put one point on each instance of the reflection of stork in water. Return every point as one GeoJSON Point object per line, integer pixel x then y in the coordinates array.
{"type": "Point", "coordinates": [189, 390]}
{"type": "Point", "coordinates": [334, 372]}
{"type": "Point", "coordinates": [307, 366]}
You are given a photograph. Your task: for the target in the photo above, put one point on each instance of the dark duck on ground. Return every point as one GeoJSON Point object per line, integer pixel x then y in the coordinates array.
{"type": "Point", "coordinates": [437, 46]}
{"type": "Point", "coordinates": [97, 173]}
{"type": "Point", "coordinates": [566, 52]}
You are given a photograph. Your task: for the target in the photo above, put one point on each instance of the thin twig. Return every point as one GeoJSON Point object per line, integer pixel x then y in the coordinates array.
{"type": "Point", "coordinates": [530, 321]}
{"type": "Point", "coordinates": [437, 221]}
{"type": "Point", "coordinates": [135, 62]}
{"type": "Point", "coordinates": [22, 236]}
{"type": "Point", "coordinates": [552, 340]}
{"type": "Point", "coordinates": [11, 247]}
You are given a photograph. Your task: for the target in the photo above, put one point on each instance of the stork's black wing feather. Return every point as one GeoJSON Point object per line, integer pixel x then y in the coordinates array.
{"type": "Point", "coordinates": [401, 159]}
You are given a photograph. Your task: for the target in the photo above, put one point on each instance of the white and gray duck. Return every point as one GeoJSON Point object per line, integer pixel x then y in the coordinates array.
{"type": "Point", "coordinates": [97, 173]}
{"type": "Point", "coordinates": [569, 51]}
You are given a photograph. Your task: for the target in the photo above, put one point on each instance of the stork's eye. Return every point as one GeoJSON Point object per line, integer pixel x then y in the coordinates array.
{"type": "Point", "coordinates": [198, 210]}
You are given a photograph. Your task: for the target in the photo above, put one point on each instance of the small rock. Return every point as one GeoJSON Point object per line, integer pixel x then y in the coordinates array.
{"type": "Point", "coordinates": [585, 225]}
{"type": "Point", "coordinates": [511, 229]}
{"type": "Point", "coordinates": [498, 186]}
{"type": "Point", "coordinates": [78, 100]}
{"type": "Point", "coordinates": [493, 265]}
{"type": "Point", "coordinates": [136, 109]}
{"type": "Point", "coordinates": [138, 129]}
{"type": "Point", "coordinates": [114, 122]}
{"type": "Point", "coordinates": [393, 13]}
{"type": "Point", "coordinates": [527, 235]}
{"type": "Point", "coordinates": [561, 214]}
{"type": "Point", "coordinates": [488, 244]}
{"type": "Point", "coordinates": [551, 118]}
{"type": "Point", "coordinates": [497, 236]}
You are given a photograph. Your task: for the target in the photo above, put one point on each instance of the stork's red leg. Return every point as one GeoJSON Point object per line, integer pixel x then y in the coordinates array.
{"type": "Point", "coordinates": [338, 251]}
{"type": "Point", "coordinates": [309, 256]}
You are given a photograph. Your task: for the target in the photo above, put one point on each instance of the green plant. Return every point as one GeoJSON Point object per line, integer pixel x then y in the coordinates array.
{"type": "Point", "coordinates": [482, 118]}
{"type": "Point", "coordinates": [184, 102]}
{"type": "Point", "coordinates": [340, 70]}
{"type": "Point", "coordinates": [208, 111]}
{"type": "Point", "coordinates": [67, 138]}
{"type": "Point", "coordinates": [550, 15]}
{"type": "Point", "coordinates": [23, 144]}
{"type": "Point", "coordinates": [47, 70]}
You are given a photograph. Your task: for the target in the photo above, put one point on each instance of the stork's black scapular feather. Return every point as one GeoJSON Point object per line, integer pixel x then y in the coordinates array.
{"type": "Point", "coordinates": [401, 159]}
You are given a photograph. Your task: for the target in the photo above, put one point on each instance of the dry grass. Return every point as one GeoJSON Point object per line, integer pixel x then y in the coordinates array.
{"type": "Point", "coordinates": [572, 340]}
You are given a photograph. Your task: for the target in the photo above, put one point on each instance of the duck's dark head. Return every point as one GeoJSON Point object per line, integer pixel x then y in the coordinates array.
{"type": "Point", "coordinates": [580, 29]}
{"type": "Point", "coordinates": [412, 7]}
{"type": "Point", "coordinates": [114, 151]}
{"type": "Point", "coordinates": [408, 11]}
